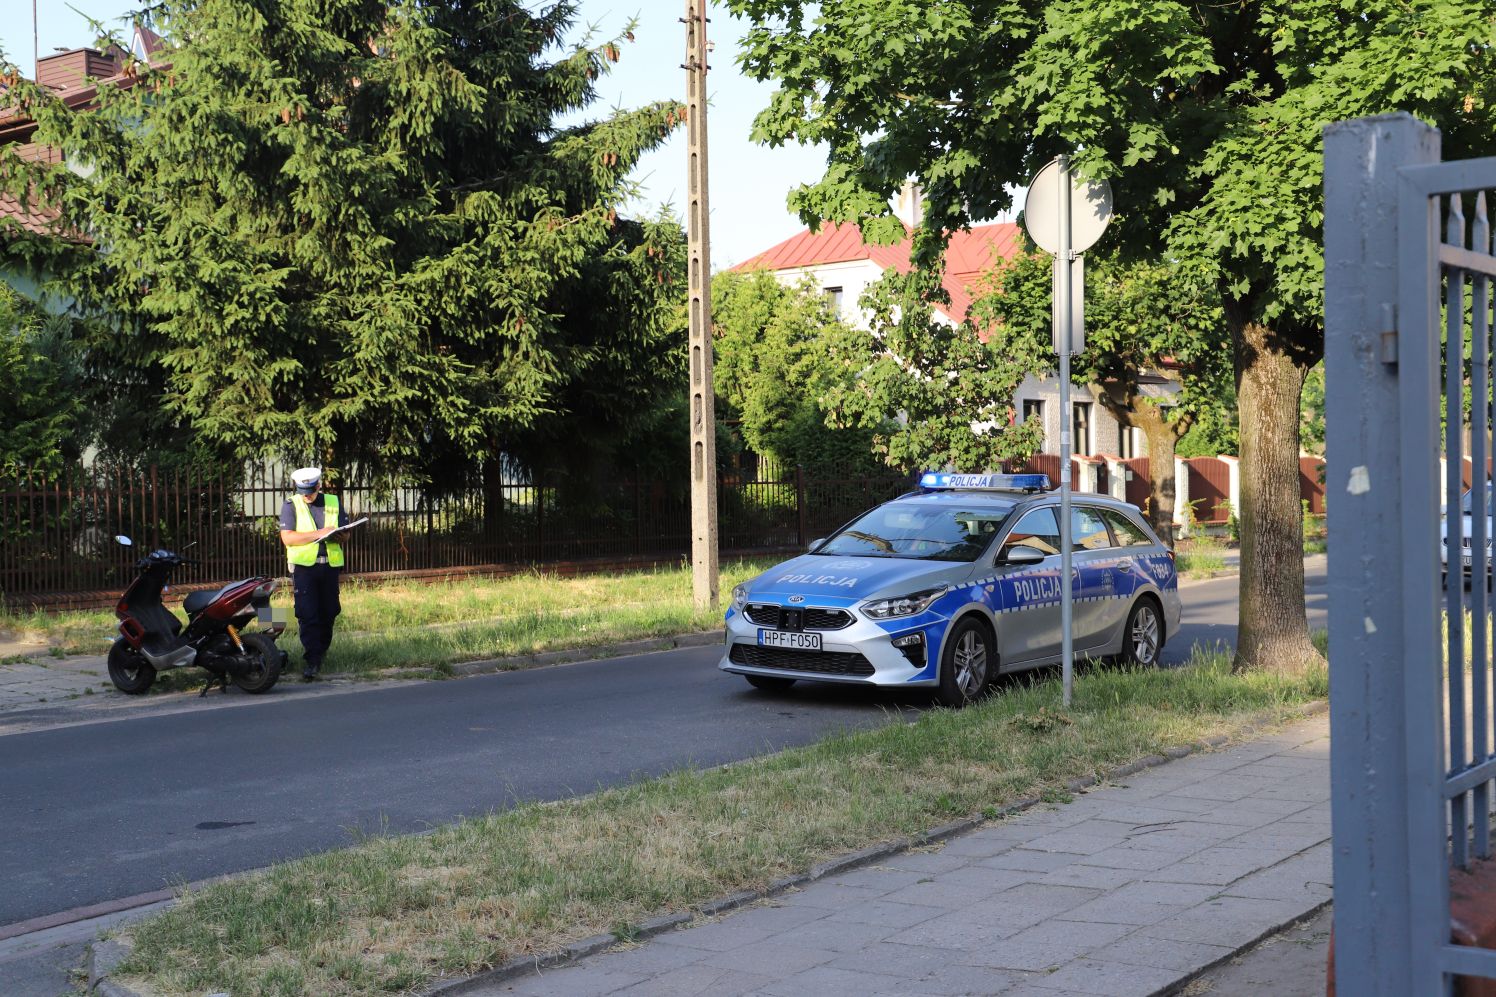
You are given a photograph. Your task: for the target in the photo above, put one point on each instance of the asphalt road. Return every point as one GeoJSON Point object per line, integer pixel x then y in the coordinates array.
{"type": "Point", "coordinates": [110, 810]}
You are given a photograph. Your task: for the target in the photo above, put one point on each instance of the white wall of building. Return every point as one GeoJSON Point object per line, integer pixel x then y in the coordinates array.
{"type": "Point", "coordinates": [1105, 433]}
{"type": "Point", "coordinates": [847, 280]}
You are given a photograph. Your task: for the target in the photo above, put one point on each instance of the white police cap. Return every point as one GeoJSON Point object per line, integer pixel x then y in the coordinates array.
{"type": "Point", "coordinates": [306, 479]}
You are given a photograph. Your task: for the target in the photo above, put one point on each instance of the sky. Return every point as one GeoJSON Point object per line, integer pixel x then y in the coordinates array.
{"type": "Point", "coordinates": [749, 182]}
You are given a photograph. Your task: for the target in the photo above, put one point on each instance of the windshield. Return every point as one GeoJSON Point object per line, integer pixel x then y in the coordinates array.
{"type": "Point", "coordinates": [945, 532]}
{"type": "Point", "coordinates": [1467, 501]}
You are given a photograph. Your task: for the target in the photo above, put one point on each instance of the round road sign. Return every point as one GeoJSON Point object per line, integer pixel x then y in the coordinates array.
{"type": "Point", "coordinates": [1090, 210]}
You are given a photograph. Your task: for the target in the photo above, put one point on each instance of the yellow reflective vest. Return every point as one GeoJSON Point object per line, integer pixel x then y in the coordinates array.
{"type": "Point", "coordinates": [307, 553]}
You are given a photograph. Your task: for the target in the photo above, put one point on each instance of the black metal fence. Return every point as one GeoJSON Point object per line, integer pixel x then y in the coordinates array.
{"type": "Point", "coordinates": [57, 531]}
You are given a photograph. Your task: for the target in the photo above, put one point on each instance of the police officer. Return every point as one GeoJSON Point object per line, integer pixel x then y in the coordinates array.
{"type": "Point", "coordinates": [316, 562]}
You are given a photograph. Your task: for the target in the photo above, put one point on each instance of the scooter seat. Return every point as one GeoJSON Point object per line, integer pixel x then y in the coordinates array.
{"type": "Point", "coordinates": [196, 601]}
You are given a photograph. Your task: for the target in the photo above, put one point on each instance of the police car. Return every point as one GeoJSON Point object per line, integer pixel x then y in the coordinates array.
{"type": "Point", "coordinates": [1467, 531]}
{"type": "Point", "coordinates": [948, 585]}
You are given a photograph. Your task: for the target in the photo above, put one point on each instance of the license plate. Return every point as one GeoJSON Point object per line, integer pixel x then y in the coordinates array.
{"type": "Point", "coordinates": [784, 638]}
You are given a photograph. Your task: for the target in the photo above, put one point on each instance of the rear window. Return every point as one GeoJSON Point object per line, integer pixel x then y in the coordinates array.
{"type": "Point", "coordinates": [1129, 534]}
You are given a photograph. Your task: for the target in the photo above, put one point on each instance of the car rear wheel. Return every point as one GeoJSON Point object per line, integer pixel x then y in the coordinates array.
{"type": "Point", "coordinates": [966, 665]}
{"type": "Point", "coordinates": [1143, 636]}
{"type": "Point", "coordinates": [768, 683]}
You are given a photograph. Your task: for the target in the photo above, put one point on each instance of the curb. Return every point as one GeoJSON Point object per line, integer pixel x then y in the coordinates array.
{"type": "Point", "coordinates": [598, 652]}
{"type": "Point", "coordinates": [851, 860]}
{"type": "Point", "coordinates": [105, 955]}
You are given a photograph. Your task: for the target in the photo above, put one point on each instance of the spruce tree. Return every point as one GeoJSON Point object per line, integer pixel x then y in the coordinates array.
{"type": "Point", "coordinates": [353, 230]}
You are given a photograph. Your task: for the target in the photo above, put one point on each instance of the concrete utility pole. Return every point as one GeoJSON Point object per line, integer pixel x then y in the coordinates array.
{"type": "Point", "coordinates": [703, 410]}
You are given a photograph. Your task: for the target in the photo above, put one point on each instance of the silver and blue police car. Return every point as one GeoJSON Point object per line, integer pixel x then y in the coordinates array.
{"type": "Point", "coordinates": [949, 585]}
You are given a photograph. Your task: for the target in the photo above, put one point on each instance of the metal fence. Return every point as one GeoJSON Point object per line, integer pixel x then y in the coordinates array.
{"type": "Point", "coordinates": [1408, 267]}
{"type": "Point", "coordinates": [57, 532]}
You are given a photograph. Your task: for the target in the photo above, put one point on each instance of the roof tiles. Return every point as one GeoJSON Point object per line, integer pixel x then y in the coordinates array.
{"type": "Point", "coordinates": [971, 253]}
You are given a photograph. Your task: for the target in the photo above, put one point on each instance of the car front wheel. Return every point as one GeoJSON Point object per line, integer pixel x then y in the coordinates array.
{"type": "Point", "coordinates": [967, 664]}
{"type": "Point", "coordinates": [1144, 635]}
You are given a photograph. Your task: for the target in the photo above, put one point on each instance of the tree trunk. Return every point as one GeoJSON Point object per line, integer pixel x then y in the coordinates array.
{"type": "Point", "coordinates": [1162, 488]}
{"type": "Point", "coordinates": [493, 504]}
{"type": "Point", "coordinates": [1272, 633]}
{"type": "Point", "coordinates": [1127, 406]}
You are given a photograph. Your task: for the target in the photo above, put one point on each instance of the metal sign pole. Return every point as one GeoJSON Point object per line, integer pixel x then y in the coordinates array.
{"type": "Point", "coordinates": [1063, 314]}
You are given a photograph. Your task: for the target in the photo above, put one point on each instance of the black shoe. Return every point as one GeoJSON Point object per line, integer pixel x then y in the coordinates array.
{"type": "Point", "coordinates": [309, 674]}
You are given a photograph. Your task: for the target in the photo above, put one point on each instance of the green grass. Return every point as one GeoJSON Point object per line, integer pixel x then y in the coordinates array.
{"type": "Point", "coordinates": [389, 914]}
{"type": "Point", "coordinates": [434, 624]}
{"type": "Point", "coordinates": [1200, 558]}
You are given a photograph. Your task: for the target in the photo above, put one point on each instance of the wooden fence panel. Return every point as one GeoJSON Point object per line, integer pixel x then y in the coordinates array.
{"type": "Point", "coordinates": [1311, 483]}
{"type": "Point", "coordinates": [1209, 489]}
{"type": "Point", "coordinates": [1138, 487]}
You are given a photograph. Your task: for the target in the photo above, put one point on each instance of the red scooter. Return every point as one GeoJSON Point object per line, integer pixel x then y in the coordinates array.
{"type": "Point", "coordinates": [152, 638]}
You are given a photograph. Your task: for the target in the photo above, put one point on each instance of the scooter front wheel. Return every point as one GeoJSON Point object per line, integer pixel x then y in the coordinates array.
{"type": "Point", "coordinates": [128, 669]}
{"type": "Point", "coordinates": [266, 667]}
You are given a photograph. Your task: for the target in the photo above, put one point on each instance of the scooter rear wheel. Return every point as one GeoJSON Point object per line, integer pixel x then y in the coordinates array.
{"type": "Point", "coordinates": [269, 658]}
{"type": "Point", "coordinates": [128, 669]}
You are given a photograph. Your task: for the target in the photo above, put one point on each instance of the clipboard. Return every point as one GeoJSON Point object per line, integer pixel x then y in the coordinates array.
{"type": "Point", "coordinates": [345, 527]}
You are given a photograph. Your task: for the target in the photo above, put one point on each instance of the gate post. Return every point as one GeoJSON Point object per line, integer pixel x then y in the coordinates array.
{"type": "Point", "coordinates": [1369, 744]}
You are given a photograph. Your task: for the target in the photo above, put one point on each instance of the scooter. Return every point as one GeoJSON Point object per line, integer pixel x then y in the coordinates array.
{"type": "Point", "coordinates": [152, 638]}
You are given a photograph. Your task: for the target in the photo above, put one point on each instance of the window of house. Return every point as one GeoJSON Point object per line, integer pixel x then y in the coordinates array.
{"type": "Point", "coordinates": [1033, 409]}
{"type": "Point", "coordinates": [1080, 430]}
{"type": "Point", "coordinates": [1131, 443]}
{"type": "Point", "coordinates": [833, 297]}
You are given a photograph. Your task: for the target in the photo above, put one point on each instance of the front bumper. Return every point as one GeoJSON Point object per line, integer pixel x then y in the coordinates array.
{"type": "Point", "coordinates": [862, 653]}
{"type": "Point", "coordinates": [1469, 568]}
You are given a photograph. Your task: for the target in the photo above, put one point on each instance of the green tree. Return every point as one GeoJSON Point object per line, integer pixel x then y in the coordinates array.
{"type": "Point", "coordinates": [353, 230]}
{"type": "Point", "coordinates": [931, 391]}
{"type": "Point", "coordinates": [1206, 117]}
{"type": "Point", "coordinates": [773, 367]}
{"type": "Point", "coordinates": [1312, 420]}
{"type": "Point", "coordinates": [1157, 348]}
{"type": "Point", "coordinates": [44, 421]}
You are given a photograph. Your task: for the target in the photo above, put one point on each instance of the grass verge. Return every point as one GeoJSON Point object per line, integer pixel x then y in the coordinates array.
{"type": "Point", "coordinates": [432, 624]}
{"type": "Point", "coordinates": [391, 913]}
{"type": "Point", "coordinates": [1201, 559]}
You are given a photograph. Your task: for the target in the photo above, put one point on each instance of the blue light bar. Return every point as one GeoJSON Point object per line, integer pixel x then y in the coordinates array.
{"type": "Point", "coordinates": [944, 480]}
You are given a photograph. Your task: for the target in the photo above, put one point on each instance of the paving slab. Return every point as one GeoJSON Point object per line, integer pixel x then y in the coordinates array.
{"type": "Point", "coordinates": [1172, 872]}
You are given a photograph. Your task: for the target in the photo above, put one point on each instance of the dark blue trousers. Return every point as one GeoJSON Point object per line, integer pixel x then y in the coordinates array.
{"type": "Point", "coordinates": [317, 606]}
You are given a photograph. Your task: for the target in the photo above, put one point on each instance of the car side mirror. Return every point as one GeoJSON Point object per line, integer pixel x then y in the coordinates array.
{"type": "Point", "coordinates": [816, 543]}
{"type": "Point", "coordinates": [1017, 556]}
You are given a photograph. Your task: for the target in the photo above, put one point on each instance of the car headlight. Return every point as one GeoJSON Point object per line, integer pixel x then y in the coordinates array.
{"type": "Point", "coordinates": [904, 605]}
{"type": "Point", "coordinates": [739, 596]}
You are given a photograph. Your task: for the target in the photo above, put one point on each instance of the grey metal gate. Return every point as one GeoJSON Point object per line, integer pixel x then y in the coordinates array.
{"type": "Point", "coordinates": [1408, 264]}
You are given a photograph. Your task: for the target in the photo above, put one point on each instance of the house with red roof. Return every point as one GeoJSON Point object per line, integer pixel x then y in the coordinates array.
{"type": "Point", "coordinates": [842, 265]}
{"type": "Point", "coordinates": [74, 76]}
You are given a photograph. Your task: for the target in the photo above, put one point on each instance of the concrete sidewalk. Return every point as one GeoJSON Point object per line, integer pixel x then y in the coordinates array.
{"type": "Point", "coordinates": [1129, 889]}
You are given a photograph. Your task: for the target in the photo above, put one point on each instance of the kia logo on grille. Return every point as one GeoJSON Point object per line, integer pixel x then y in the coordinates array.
{"type": "Point", "coordinates": [797, 598]}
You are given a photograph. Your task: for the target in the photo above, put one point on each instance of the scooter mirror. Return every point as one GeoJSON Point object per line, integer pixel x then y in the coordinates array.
{"type": "Point", "coordinates": [124, 541]}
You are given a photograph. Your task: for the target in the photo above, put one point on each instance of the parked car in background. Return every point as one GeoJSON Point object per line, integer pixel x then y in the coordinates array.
{"type": "Point", "coordinates": [952, 584]}
{"type": "Point", "coordinates": [1466, 533]}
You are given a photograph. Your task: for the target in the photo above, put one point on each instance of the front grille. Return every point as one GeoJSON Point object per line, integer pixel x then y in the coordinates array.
{"type": "Point", "coordinates": [824, 662]}
{"type": "Point", "coordinates": [812, 618]}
